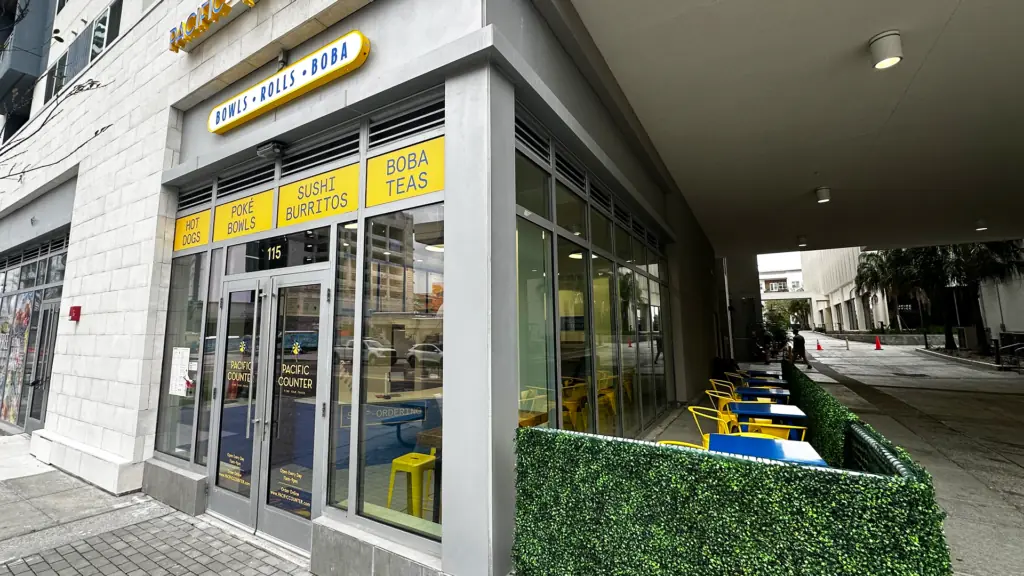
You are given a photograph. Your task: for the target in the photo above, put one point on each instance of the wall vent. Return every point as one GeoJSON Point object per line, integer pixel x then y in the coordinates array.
{"type": "Point", "coordinates": [226, 186]}
{"type": "Point", "coordinates": [48, 247]}
{"type": "Point", "coordinates": [422, 119]}
{"type": "Point", "coordinates": [532, 140]}
{"type": "Point", "coordinates": [600, 197]}
{"type": "Point", "coordinates": [318, 154]}
{"type": "Point", "coordinates": [566, 169]}
{"type": "Point", "coordinates": [195, 197]}
{"type": "Point", "coordinates": [639, 230]}
{"type": "Point", "coordinates": [622, 216]}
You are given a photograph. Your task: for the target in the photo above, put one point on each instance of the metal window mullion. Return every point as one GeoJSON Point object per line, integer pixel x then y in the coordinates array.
{"type": "Point", "coordinates": [620, 425]}
{"type": "Point", "coordinates": [198, 394]}
{"type": "Point", "coordinates": [591, 333]}
{"type": "Point", "coordinates": [355, 432]}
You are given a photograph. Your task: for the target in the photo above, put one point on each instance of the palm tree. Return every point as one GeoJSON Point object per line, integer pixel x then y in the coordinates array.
{"type": "Point", "coordinates": [801, 309]}
{"type": "Point", "coordinates": [969, 265]}
{"type": "Point", "coordinates": [889, 272]}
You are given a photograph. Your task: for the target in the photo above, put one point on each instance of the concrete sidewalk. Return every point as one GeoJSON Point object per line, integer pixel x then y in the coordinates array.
{"type": "Point", "coordinates": [54, 524]}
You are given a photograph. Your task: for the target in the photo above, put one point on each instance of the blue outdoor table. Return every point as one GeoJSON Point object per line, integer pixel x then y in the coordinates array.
{"type": "Point", "coordinates": [780, 395]}
{"type": "Point", "coordinates": [764, 382]}
{"type": "Point", "coordinates": [768, 373]}
{"type": "Point", "coordinates": [772, 449]}
{"type": "Point", "coordinates": [778, 413]}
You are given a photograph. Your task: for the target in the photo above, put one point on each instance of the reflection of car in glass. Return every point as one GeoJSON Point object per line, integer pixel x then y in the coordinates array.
{"type": "Point", "coordinates": [307, 340]}
{"type": "Point", "coordinates": [374, 351]}
{"type": "Point", "coordinates": [427, 354]}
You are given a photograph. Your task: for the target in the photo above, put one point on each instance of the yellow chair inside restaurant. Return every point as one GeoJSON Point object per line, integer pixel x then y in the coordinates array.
{"type": "Point", "coordinates": [415, 465]}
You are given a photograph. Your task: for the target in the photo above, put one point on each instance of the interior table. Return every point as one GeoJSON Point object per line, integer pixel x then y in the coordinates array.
{"type": "Point", "coordinates": [780, 395]}
{"type": "Point", "coordinates": [771, 449]}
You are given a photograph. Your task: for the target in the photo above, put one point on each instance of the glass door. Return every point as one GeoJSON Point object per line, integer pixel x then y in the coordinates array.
{"type": "Point", "coordinates": [40, 385]}
{"type": "Point", "coordinates": [263, 473]}
{"type": "Point", "coordinates": [290, 475]}
{"type": "Point", "coordinates": [237, 414]}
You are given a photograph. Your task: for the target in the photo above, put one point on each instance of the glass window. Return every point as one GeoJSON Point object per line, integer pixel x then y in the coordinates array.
{"type": "Point", "coordinates": [239, 391]}
{"type": "Point", "coordinates": [114, 22]}
{"type": "Point", "coordinates": [52, 293]}
{"type": "Point", "coordinates": [533, 187]}
{"type": "Point", "coordinates": [18, 346]}
{"type": "Point", "coordinates": [536, 313]}
{"type": "Point", "coordinates": [639, 255]}
{"type": "Point", "coordinates": [646, 350]}
{"type": "Point", "coordinates": [604, 346]}
{"type": "Point", "coordinates": [209, 355]}
{"type": "Point", "coordinates": [99, 35]}
{"type": "Point", "coordinates": [3, 279]}
{"type": "Point", "coordinates": [296, 249]}
{"type": "Point", "coordinates": [401, 392]}
{"type": "Point", "coordinates": [36, 300]}
{"type": "Point", "coordinates": [13, 276]}
{"type": "Point", "coordinates": [657, 340]}
{"type": "Point", "coordinates": [341, 371]}
{"type": "Point", "coordinates": [628, 347]}
{"type": "Point", "coordinates": [181, 355]}
{"type": "Point", "coordinates": [41, 273]}
{"type": "Point", "coordinates": [7, 305]}
{"type": "Point", "coordinates": [601, 228]}
{"type": "Point", "coordinates": [28, 275]}
{"type": "Point", "coordinates": [571, 211]}
{"type": "Point", "coordinates": [574, 334]}
{"type": "Point", "coordinates": [623, 249]}
{"type": "Point", "coordinates": [56, 268]}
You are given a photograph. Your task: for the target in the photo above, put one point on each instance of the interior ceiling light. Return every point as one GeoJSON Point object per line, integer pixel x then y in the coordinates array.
{"type": "Point", "coordinates": [980, 226]}
{"type": "Point", "coordinates": [824, 194]}
{"type": "Point", "coordinates": [801, 241]}
{"type": "Point", "coordinates": [886, 49]}
{"type": "Point", "coordinates": [351, 225]}
{"type": "Point", "coordinates": [435, 247]}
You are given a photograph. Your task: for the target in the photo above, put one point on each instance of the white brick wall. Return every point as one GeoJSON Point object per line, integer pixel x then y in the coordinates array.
{"type": "Point", "coordinates": [103, 398]}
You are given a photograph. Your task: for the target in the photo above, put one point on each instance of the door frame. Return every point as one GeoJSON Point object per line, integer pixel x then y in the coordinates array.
{"type": "Point", "coordinates": [42, 373]}
{"type": "Point", "coordinates": [272, 521]}
{"type": "Point", "coordinates": [224, 502]}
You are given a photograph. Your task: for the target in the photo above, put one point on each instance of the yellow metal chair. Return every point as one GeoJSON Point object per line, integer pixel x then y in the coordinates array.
{"type": "Point", "coordinates": [415, 465]}
{"type": "Point", "coordinates": [739, 381]}
{"type": "Point", "coordinates": [720, 400]}
{"type": "Point", "coordinates": [721, 424]}
{"type": "Point", "coordinates": [772, 430]}
{"type": "Point", "coordinates": [677, 443]}
{"type": "Point", "coordinates": [723, 386]}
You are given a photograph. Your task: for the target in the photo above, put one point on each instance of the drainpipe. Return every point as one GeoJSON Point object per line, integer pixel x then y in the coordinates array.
{"type": "Point", "coordinates": [728, 306]}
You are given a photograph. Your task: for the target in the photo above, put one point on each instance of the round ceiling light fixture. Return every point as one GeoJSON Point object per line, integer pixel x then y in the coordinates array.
{"type": "Point", "coordinates": [980, 226]}
{"type": "Point", "coordinates": [886, 49]}
{"type": "Point", "coordinates": [801, 241]}
{"type": "Point", "coordinates": [824, 194]}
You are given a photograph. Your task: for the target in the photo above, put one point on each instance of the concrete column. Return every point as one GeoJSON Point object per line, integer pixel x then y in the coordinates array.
{"type": "Point", "coordinates": [745, 300]}
{"type": "Point", "coordinates": [481, 370]}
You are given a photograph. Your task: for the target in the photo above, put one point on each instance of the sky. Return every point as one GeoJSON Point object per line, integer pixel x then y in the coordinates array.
{"type": "Point", "coordinates": [778, 261]}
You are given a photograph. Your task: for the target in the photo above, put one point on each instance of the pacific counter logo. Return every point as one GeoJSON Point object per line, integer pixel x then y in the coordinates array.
{"type": "Point", "coordinates": [308, 73]}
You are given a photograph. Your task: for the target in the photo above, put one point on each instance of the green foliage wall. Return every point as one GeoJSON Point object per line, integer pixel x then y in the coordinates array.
{"type": "Point", "coordinates": [827, 418]}
{"type": "Point", "coordinates": [595, 506]}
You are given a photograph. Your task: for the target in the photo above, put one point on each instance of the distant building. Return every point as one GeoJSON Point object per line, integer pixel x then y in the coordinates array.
{"type": "Point", "coordinates": [831, 274]}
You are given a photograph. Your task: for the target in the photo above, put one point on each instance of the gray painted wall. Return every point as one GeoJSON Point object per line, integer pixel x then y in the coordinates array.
{"type": "Point", "coordinates": [530, 35]}
{"type": "Point", "coordinates": [51, 210]}
{"type": "Point", "coordinates": [398, 30]}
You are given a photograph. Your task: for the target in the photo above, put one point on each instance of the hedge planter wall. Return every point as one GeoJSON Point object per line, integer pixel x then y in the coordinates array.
{"type": "Point", "coordinates": [595, 506]}
{"type": "Point", "coordinates": [827, 418]}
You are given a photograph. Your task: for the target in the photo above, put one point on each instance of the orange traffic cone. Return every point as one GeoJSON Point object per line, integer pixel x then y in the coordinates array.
{"type": "Point", "coordinates": [819, 345]}
{"type": "Point", "coordinates": [878, 343]}
{"type": "Point", "coordinates": [630, 342]}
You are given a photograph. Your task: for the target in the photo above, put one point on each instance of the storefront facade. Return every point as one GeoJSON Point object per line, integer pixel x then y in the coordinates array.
{"type": "Point", "coordinates": [350, 271]}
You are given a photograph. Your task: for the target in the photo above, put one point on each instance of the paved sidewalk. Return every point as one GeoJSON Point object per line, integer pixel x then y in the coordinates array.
{"type": "Point", "coordinates": [54, 524]}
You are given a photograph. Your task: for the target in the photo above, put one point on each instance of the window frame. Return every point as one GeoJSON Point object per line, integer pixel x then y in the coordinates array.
{"type": "Point", "coordinates": [58, 71]}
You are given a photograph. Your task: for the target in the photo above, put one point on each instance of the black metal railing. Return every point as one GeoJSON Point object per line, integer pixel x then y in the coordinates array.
{"type": "Point", "coordinates": [865, 453]}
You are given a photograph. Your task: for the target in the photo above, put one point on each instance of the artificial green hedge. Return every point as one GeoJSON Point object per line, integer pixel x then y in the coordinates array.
{"type": "Point", "coordinates": [597, 506]}
{"type": "Point", "coordinates": [827, 418]}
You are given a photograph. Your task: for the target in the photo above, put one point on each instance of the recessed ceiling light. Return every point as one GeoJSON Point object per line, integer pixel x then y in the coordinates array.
{"type": "Point", "coordinates": [435, 247]}
{"type": "Point", "coordinates": [980, 226]}
{"type": "Point", "coordinates": [351, 225]}
{"type": "Point", "coordinates": [801, 241]}
{"type": "Point", "coordinates": [886, 49]}
{"type": "Point", "coordinates": [824, 194]}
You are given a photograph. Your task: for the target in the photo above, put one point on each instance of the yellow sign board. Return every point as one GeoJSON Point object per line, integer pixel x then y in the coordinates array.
{"type": "Point", "coordinates": [308, 73]}
{"type": "Point", "coordinates": [192, 230]}
{"type": "Point", "coordinates": [246, 216]}
{"type": "Point", "coordinates": [327, 194]}
{"type": "Point", "coordinates": [405, 173]}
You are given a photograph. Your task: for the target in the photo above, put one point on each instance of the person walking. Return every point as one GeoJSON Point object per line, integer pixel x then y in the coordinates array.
{"type": "Point", "coordinates": [799, 349]}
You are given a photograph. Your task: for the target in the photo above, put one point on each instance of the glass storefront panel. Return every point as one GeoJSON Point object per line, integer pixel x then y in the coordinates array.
{"type": "Point", "coordinates": [601, 233]}
{"type": "Point", "coordinates": [18, 348]}
{"type": "Point", "coordinates": [342, 363]}
{"type": "Point", "coordinates": [536, 312]}
{"type": "Point", "coordinates": [628, 346]}
{"type": "Point", "coordinates": [35, 303]}
{"type": "Point", "coordinates": [401, 388]}
{"type": "Point", "coordinates": [295, 249]}
{"type": "Point", "coordinates": [657, 338]}
{"type": "Point", "coordinates": [604, 346]}
{"type": "Point", "coordinates": [639, 255]}
{"type": "Point", "coordinates": [293, 400]}
{"type": "Point", "coordinates": [574, 335]}
{"type": "Point", "coordinates": [13, 276]}
{"type": "Point", "coordinates": [55, 272]}
{"type": "Point", "coordinates": [234, 462]}
{"type": "Point", "coordinates": [623, 245]}
{"type": "Point", "coordinates": [209, 356]}
{"type": "Point", "coordinates": [570, 211]}
{"type": "Point", "coordinates": [533, 187]}
{"type": "Point", "coordinates": [645, 350]}
{"type": "Point", "coordinates": [181, 355]}
{"type": "Point", "coordinates": [28, 275]}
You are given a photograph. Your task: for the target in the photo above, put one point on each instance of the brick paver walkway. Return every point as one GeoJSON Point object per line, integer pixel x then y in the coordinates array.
{"type": "Point", "coordinates": [174, 544]}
